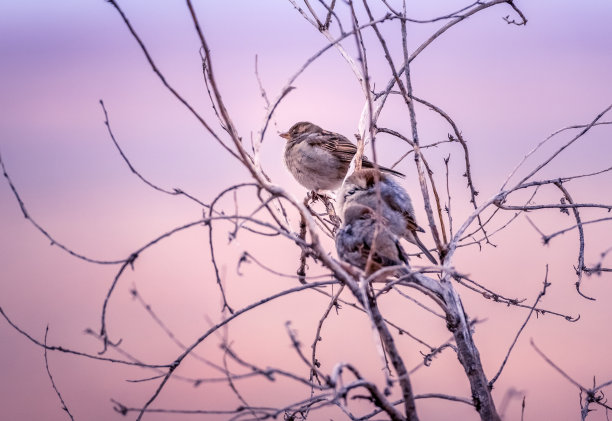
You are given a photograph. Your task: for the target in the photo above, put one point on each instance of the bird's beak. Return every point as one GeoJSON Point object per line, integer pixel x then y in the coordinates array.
{"type": "Point", "coordinates": [285, 135]}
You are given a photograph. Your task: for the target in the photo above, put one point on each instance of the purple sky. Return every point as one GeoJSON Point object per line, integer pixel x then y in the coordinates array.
{"type": "Point", "coordinates": [507, 87]}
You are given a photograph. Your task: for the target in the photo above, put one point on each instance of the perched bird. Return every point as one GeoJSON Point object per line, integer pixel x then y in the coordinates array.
{"type": "Point", "coordinates": [319, 159]}
{"type": "Point", "coordinates": [396, 206]}
{"type": "Point", "coordinates": [366, 242]}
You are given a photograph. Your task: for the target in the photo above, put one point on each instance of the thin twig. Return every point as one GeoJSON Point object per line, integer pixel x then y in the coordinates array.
{"type": "Point", "coordinates": [73, 352]}
{"type": "Point", "coordinates": [332, 303]}
{"type": "Point", "coordinates": [566, 145]}
{"type": "Point", "coordinates": [213, 329]}
{"type": "Point", "coordinates": [174, 192]}
{"type": "Point", "coordinates": [556, 367]}
{"type": "Point", "coordinates": [580, 266]}
{"type": "Point", "coordinates": [540, 295]}
{"type": "Point", "coordinates": [165, 82]}
{"type": "Point", "coordinates": [57, 392]}
{"type": "Point", "coordinates": [44, 232]}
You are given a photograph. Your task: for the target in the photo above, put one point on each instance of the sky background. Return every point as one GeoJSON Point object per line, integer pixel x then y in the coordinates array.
{"type": "Point", "coordinates": [507, 87]}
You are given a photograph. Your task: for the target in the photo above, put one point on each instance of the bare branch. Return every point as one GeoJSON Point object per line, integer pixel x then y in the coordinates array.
{"type": "Point", "coordinates": [70, 351]}
{"type": "Point", "coordinates": [213, 329]}
{"type": "Point", "coordinates": [540, 295]}
{"type": "Point", "coordinates": [57, 392]}
{"type": "Point", "coordinates": [166, 84]}
{"type": "Point", "coordinates": [562, 148]}
{"type": "Point", "coordinates": [44, 232]}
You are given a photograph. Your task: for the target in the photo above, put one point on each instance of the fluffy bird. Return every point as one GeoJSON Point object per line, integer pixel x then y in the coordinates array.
{"type": "Point", "coordinates": [366, 242]}
{"type": "Point", "coordinates": [319, 159]}
{"type": "Point", "coordinates": [396, 206]}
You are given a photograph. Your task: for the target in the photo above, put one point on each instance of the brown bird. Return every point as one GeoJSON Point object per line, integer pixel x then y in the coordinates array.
{"type": "Point", "coordinates": [319, 159]}
{"type": "Point", "coordinates": [396, 206]}
{"type": "Point", "coordinates": [366, 242]}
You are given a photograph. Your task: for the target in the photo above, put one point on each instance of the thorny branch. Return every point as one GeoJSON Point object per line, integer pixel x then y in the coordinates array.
{"type": "Point", "coordinates": [593, 395]}
{"type": "Point", "coordinates": [435, 283]}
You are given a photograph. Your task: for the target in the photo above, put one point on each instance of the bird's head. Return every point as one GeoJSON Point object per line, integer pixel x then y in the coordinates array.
{"type": "Point", "coordinates": [358, 183]}
{"type": "Point", "coordinates": [355, 212]}
{"type": "Point", "coordinates": [299, 129]}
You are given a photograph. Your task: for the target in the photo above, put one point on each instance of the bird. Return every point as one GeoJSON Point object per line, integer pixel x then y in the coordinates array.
{"type": "Point", "coordinates": [396, 207]}
{"type": "Point", "coordinates": [365, 242]}
{"type": "Point", "coordinates": [319, 159]}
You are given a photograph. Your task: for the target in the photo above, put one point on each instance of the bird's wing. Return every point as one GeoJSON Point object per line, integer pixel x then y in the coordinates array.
{"type": "Point", "coordinates": [403, 256]}
{"type": "Point", "coordinates": [366, 163]}
{"type": "Point", "coordinates": [336, 143]}
{"type": "Point", "coordinates": [424, 250]}
{"type": "Point", "coordinates": [399, 202]}
{"type": "Point", "coordinates": [411, 223]}
{"type": "Point", "coordinates": [344, 149]}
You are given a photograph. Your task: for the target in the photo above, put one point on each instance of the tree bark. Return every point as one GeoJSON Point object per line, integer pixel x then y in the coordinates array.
{"type": "Point", "coordinates": [468, 355]}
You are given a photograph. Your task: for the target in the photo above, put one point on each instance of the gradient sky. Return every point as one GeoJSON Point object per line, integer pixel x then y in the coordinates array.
{"type": "Point", "coordinates": [507, 87]}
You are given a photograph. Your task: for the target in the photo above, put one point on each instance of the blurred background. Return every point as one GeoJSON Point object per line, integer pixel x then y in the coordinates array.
{"type": "Point", "coordinates": [507, 87]}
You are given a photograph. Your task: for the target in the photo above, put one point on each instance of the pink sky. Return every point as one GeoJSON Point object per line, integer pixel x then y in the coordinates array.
{"type": "Point", "coordinates": [507, 87]}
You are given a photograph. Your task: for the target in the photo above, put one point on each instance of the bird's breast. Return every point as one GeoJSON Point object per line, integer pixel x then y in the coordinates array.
{"type": "Point", "coordinates": [314, 167]}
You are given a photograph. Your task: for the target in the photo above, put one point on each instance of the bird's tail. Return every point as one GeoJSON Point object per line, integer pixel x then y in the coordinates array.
{"type": "Point", "coordinates": [424, 250]}
{"type": "Point", "coordinates": [369, 164]}
{"type": "Point", "coordinates": [392, 172]}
